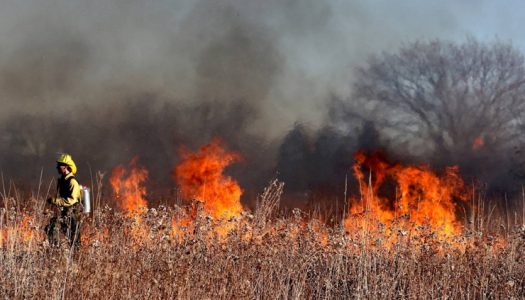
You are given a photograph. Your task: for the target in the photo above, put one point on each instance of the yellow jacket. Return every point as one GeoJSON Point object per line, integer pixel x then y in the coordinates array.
{"type": "Point", "coordinates": [68, 191]}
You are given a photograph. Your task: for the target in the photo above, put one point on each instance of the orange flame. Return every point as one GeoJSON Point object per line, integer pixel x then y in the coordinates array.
{"type": "Point", "coordinates": [20, 232]}
{"type": "Point", "coordinates": [421, 197]}
{"type": "Point", "coordinates": [129, 187]}
{"type": "Point", "coordinates": [180, 227]}
{"type": "Point", "coordinates": [200, 176]}
{"type": "Point", "coordinates": [130, 192]}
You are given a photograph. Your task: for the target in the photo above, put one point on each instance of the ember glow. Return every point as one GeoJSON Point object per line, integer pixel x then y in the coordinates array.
{"type": "Point", "coordinates": [200, 176]}
{"type": "Point", "coordinates": [417, 196]}
{"type": "Point", "coordinates": [478, 143]}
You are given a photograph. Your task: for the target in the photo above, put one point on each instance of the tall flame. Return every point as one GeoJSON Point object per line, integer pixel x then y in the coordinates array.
{"type": "Point", "coordinates": [421, 196]}
{"type": "Point", "coordinates": [129, 187]}
{"type": "Point", "coordinates": [200, 176]}
{"type": "Point", "coordinates": [130, 192]}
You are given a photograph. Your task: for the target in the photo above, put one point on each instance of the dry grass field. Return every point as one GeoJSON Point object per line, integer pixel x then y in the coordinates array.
{"type": "Point", "coordinates": [254, 256]}
{"type": "Point", "coordinates": [434, 239]}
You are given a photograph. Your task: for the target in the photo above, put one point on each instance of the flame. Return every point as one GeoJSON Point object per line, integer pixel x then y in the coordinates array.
{"type": "Point", "coordinates": [180, 227]}
{"type": "Point", "coordinates": [200, 176]}
{"type": "Point", "coordinates": [25, 231]}
{"type": "Point", "coordinates": [19, 232]}
{"type": "Point", "coordinates": [130, 192]}
{"type": "Point", "coordinates": [421, 197]}
{"type": "Point", "coordinates": [478, 143]}
{"type": "Point", "coordinates": [128, 187]}
{"type": "Point", "coordinates": [183, 222]}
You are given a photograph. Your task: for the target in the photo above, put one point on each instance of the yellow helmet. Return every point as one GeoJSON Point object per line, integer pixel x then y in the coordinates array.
{"type": "Point", "coordinates": [67, 160]}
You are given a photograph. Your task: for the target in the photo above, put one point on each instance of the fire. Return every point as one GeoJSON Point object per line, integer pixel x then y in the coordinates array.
{"type": "Point", "coordinates": [200, 176]}
{"type": "Point", "coordinates": [130, 192]}
{"type": "Point", "coordinates": [420, 198]}
{"type": "Point", "coordinates": [180, 227]}
{"type": "Point", "coordinates": [129, 187]}
{"type": "Point", "coordinates": [26, 233]}
{"type": "Point", "coordinates": [21, 232]}
{"type": "Point", "coordinates": [478, 143]}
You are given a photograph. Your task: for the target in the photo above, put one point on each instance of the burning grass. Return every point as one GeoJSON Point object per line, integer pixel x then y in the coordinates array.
{"type": "Point", "coordinates": [413, 245]}
{"type": "Point", "coordinates": [293, 256]}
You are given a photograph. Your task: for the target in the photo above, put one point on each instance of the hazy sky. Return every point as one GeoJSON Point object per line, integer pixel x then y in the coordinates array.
{"type": "Point", "coordinates": [298, 52]}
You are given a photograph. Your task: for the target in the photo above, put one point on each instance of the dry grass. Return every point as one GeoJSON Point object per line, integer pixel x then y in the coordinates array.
{"type": "Point", "coordinates": [291, 257]}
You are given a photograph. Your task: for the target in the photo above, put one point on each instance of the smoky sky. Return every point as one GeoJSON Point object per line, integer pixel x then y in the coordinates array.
{"type": "Point", "coordinates": [107, 80]}
{"type": "Point", "coordinates": [288, 54]}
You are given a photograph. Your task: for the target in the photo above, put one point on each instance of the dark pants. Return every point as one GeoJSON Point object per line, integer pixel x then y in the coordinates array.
{"type": "Point", "coordinates": [69, 223]}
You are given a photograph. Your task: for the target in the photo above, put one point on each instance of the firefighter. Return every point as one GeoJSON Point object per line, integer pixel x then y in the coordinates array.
{"type": "Point", "coordinates": [67, 199]}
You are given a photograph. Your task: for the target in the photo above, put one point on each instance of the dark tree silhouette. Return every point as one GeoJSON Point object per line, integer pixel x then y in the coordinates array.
{"type": "Point", "coordinates": [454, 99]}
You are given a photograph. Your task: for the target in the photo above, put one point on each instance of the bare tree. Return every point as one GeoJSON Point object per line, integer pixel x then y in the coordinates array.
{"type": "Point", "coordinates": [453, 98]}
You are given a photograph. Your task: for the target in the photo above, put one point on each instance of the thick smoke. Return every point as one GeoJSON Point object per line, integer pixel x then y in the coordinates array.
{"type": "Point", "coordinates": [61, 96]}
{"type": "Point", "coordinates": [108, 80]}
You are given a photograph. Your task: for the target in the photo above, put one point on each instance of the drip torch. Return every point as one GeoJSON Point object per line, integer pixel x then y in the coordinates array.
{"type": "Point", "coordinates": [86, 199]}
